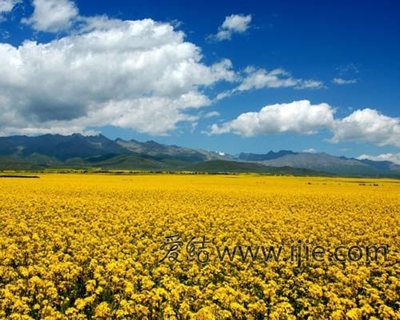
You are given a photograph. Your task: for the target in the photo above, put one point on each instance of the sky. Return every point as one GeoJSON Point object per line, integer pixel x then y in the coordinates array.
{"type": "Point", "coordinates": [227, 76]}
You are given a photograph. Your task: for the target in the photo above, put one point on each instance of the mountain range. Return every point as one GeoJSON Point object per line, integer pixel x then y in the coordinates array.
{"type": "Point", "coordinates": [53, 151]}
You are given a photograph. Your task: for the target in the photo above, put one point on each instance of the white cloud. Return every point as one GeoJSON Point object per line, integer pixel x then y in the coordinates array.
{"type": "Point", "coordinates": [141, 75]}
{"type": "Point", "coordinates": [261, 78]}
{"type": "Point", "coordinates": [255, 79]}
{"type": "Point", "coordinates": [392, 157]}
{"type": "Point", "coordinates": [366, 125]}
{"type": "Point", "coordinates": [369, 126]}
{"type": "Point", "coordinates": [310, 150]}
{"type": "Point", "coordinates": [142, 113]}
{"type": "Point", "coordinates": [277, 78]}
{"type": "Point", "coordinates": [350, 68]}
{"type": "Point", "coordinates": [309, 84]}
{"type": "Point", "coordinates": [52, 15]}
{"type": "Point", "coordinates": [212, 114]}
{"type": "Point", "coordinates": [7, 6]}
{"type": "Point", "coordinates": [341, 81]}
{"type": "Point", "coordinates": [298, 117]}
{"type": "Point", "coordinates": [223, 95]}
{"type": "Point", "coordinates": [235, 23]}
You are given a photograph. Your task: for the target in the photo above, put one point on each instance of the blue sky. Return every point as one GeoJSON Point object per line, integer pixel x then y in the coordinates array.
{"type": "Point", "coordinates": [228, 76]}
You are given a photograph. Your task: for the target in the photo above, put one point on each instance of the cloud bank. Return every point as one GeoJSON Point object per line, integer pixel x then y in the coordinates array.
{"type": "Point", "coordinates": [140, 75]}
{"type": "Point", "coordinates": [302, 117]}
{"type": "Point", "coordinates": [112, 72]}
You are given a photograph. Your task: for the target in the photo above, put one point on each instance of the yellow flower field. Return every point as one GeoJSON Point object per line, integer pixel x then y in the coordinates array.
{"type": "Point", "coordinates": [76, 246]}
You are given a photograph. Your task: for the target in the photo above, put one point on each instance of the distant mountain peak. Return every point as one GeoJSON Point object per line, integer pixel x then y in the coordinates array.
{"type": "Point", "coordinates": [268, 156]}
{"type": "Point", "coordinates": [152, 143]}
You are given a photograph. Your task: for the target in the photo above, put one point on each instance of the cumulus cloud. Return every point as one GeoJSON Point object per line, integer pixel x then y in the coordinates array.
{"type": "Point", "coordinates": [341, 81]}
{"type": "Point", "coordinates": [365, 125]}
{"type": "Point", "coordinates": [298, 117]}
{"type": "Point", "coordinates": [52, 15]}
{"type": "Point", "coordinates": [235, 23]}
{"type": "Point", "coordinates": [368, 125]}
{"type": "Point", "coordinates": [140, 75]}
{"type": "Point", "coordinates": [392, 157]}
{"type": "Point", "coordinates": [310, 150]}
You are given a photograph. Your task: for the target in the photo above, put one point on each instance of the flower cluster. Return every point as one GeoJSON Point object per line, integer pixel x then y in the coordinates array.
{"type": "Point", "coordinates": [88, 247]}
